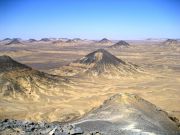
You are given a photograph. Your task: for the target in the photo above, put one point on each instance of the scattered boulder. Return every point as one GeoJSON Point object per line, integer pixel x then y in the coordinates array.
{"type": "Point", "coordinates": [8, 126]}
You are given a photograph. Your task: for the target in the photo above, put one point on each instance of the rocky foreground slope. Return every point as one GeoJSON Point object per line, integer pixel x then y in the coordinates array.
{"type": "Point", "coordinates": [122, 114]}
{"type": "Point", "coordinates": [99, 63]}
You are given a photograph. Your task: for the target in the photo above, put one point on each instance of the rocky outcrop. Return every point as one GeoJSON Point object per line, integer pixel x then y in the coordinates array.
{"type": "Point", "coordinates": [19, 127]}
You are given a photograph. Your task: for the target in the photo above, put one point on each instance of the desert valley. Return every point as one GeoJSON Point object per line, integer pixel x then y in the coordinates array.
{"type": "Point", "coordinates": [79, 86]}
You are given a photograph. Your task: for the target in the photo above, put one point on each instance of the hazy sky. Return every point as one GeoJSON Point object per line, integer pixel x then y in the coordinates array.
{"type": "Point", "coordinates": [91, 19]}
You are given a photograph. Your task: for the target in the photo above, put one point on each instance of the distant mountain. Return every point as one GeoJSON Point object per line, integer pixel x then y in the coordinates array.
{"type": "Point", "coordinates": [99, 62]}
{"type": "Point", "coordinates": [32, 40]}
{"type": "Point", "coordinates": [76, 39]}
{"type": "Point", "coordinates": [58, 41]}
{"type": "Point", "coordinates": [120, 44]}
{"type": "Point", "coordinates": [171, 42]}
{"type": "Point", "coordinates": [104, 41]}
{"type": "Point", "coordinates": [45, 39]}
{"type": "Point", "coordinates": [14, 41]}
{"type": "Point", "coordinates": [19, 80]}
{"type": "Point", "coordinates": [6, 39]}
{"type": "Point", "coordinates": [71, 41]}
{"type": "Point", "coordinates": [128, 114]}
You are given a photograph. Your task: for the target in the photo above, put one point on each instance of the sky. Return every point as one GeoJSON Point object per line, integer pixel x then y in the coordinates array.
{"type": "Point", "coordinates": [90, 19]}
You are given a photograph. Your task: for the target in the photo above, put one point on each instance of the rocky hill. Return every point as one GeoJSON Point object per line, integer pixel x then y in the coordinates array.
{"type": "Point", "coordinates": [19, 80]}
{"type": "Point", "coordinates": [99, 62]}
{"type": "Point", "coordinates": [120, 44]}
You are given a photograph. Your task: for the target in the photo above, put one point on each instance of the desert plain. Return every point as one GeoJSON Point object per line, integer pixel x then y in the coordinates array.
{"type": "Point", "coordinates": [157, 78]}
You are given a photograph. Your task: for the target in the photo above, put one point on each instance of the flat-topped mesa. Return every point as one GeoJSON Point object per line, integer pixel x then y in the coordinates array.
{"type": "Point", "coordinates": [14, 41]}
{"type": "Point", "coordinates": [128, 114]}
{"type": "Point", "coordinates": [120, 44]}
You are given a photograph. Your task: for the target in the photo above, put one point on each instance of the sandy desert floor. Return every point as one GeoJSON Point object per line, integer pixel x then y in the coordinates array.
{"type": "Point", "coordinates": [159, 84]}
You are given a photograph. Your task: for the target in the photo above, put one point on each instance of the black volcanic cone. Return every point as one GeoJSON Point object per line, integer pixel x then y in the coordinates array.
{"type": "Point", "coordinates": [104, 63]}
{"type": "Point", "coordinates": [32, 40]}
{"type": "Point", "coordinates": [104, 40]}
{"type": "Point", "coordinates": [120, 44]}
{"type": "Point", "coordinates": [101, 56]}
{"type": "Point", "coordinates": [6, 39]}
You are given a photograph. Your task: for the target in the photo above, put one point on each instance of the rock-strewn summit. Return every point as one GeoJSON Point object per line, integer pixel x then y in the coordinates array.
{"type": "Point", "coordinates": [128, 114]}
